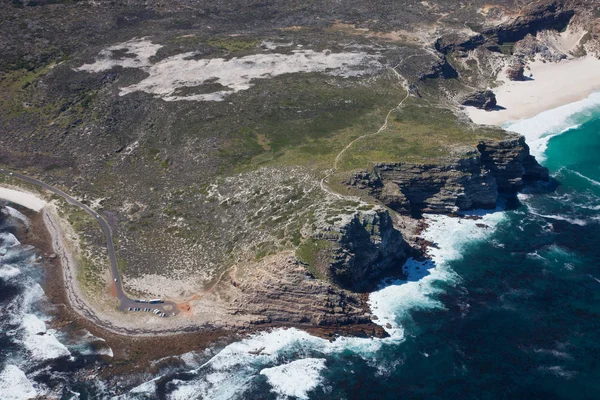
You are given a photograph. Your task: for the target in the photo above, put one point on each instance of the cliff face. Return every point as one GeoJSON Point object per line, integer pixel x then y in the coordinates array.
{"type": "Point", "coordinates": [369, 245]}
{"type": "Point", "coordinates": [280, 291]}
{"type": "Point", "coordinates": [473, 181]}
{"type": "Point", "coordinates": [357, 249]}
{"type": "Point", "coordinates": [539, 16]}
{"type": "Point", "coordinates": [510, 163]}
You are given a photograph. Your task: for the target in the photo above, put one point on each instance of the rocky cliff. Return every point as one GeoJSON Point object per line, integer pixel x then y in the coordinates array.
{"type": "Point", "coordinates": [356, 249]}
{"type": "Point", "coordinates": [281, 292]}
{"type": "Point", "coordinates": [473, 181]}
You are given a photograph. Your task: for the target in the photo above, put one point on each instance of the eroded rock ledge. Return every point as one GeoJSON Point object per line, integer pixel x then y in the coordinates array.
{"type": "Point", "coordinates": [472, 181]}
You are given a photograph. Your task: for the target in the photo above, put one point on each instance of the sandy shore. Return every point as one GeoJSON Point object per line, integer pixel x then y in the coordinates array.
{"type": "Point", "coordinates": [25, 199]}
{"type": "Point", "coordinates": [552, 85]}
{"type": "Point", "coordinates": [130, 353]}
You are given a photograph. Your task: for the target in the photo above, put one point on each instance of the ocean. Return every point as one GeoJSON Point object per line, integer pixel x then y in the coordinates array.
{"type": "Point", "coordinates": [508, 307]}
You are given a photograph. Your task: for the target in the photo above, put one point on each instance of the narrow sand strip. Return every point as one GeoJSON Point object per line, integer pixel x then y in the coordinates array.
{"type": "Point", "coordinates": [552, 85]}
{"type": "Point", "coordinates": [25, 199]}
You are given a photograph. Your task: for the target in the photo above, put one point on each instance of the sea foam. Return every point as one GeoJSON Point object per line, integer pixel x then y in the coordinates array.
{"type": "Point", "coordinates": [296, 378]}
{"type": "Point", "coordinates": [393, 302]}
{"type": "Point", "coordinates": [14, 384]}
{"type": "Point", "coordinates": [541, 128]}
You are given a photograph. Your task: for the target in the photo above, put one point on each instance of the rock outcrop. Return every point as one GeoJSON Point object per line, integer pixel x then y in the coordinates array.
{"type": "Point", "coordinates": [356, 249]}
{"type": "Point", "coordinates": [540, 16]}
{"type": "Point", "coordinates": [474, 181]}
{"type": "Point", "coordinates": [516, 72]}
{"type": "Point", "coordinates": [280, 291]}
{"type": "Point", "coordinates": [484, 99]}
{"type": "Point", "coordinates": [510, 163]}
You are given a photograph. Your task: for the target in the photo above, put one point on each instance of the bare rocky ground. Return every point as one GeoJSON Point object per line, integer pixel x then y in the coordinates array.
{"type": "Point", "coordinates": [257, 160]}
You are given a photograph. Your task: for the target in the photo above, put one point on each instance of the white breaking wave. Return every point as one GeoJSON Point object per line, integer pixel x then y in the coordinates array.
{"type": "Point", "coordinates": [14, 384]}
{"type": "Point", "coordinates": [590, 180]}
{"type": "Point", "coordinates": [8, 240]}
{"type": "Point", "coordinates": [8, 271]}
{"type": "Point", "coordinates": [574, 221]}
{"type": "Point", "coordinates": [397, 298]}
{"type": "Point", "coordinates": [40, 341]}
{"type": "Point", "coordinates": [541, 128]}
{"type": "Point", "coordinates": [296, 378]}
{"type": "Point", "coordinates": [18, 215]}
{"type": "Point", "coordinates": [231, 372]}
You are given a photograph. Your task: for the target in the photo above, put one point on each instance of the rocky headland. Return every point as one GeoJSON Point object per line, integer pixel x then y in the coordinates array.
{"type": "Point", "coordinates": [473, 181]}
{"type": "Point", "coordinates": [207, 139]}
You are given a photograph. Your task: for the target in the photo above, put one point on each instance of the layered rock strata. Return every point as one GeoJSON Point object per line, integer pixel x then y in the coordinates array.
{"type": "Point", "coordinates": [473, 181]}
{"type": "Point", "coordinates": [281, 291]}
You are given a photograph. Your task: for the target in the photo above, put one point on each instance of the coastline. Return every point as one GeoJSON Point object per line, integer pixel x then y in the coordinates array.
{"type": "Point", "coordinates": [61, 241]}
{"type": "Point", "coordinates": [139, 351]}
{"type": "Point", "coordinates": [552, 85]}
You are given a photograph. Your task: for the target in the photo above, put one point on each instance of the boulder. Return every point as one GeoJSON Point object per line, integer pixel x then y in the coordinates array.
{"type": "Point", "coordinates": [484, 99]}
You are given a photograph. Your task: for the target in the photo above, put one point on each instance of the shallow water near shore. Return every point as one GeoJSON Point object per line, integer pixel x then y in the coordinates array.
{"type": "Point", "coordinates": [507, 308]}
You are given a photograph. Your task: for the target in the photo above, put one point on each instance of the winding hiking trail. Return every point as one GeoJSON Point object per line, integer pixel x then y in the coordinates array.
{"type": "Point", "coordinates": [383, 127]}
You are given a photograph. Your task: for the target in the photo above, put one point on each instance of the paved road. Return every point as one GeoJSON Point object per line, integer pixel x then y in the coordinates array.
{"type": "Point", "coordinates": [125, 302]}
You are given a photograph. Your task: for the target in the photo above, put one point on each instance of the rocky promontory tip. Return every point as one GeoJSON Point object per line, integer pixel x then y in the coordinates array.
{"type": "Point", "coordinates": [472, 181]}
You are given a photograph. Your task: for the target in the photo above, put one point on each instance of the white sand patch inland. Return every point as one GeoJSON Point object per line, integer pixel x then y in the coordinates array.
{"type": "Point", "coordinates": [168, 76]}
{"type": "Point", "coordinates": [25, 199]}
{"type": "Point", "coordinates": [552, 85]}
{"type": "Point", "coordinates": [134, 53]}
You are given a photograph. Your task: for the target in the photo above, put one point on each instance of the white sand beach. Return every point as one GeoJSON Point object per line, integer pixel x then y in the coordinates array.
{"type": "Point", "coordinates": [25, 199]}
{"type": "Point", "coordinates": [552, 85]}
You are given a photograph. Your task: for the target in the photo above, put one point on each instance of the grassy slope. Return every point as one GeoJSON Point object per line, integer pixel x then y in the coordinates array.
{"type": "Point", "coordinates": [417, 133]}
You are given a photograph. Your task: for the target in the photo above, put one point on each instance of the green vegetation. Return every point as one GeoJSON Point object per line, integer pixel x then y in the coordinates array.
{"type": "Point", "coordinates": [233, 44]}
{"type": "Point", "coordinates": [418, 134]}
{"type": "Point", "coordinates": [310, 123]}
{"type": "Point", "coordinates": [315, 253]}
{"type": "Point", "coordinates": [91, 263]}
{"type": "Point", "coordinates": [507, 48]}
{"type": "Point", "coordinates": [21, 100]}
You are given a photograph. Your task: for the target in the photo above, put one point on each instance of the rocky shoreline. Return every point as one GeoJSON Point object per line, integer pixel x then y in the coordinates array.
{"type": "Point", "coordinates": [140, 350]}
{"type": "Point", "coordinates": [366, 247]}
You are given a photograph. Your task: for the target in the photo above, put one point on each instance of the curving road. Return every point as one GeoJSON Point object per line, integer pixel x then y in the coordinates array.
{"type": "Point", "coordinates": [125, 302]}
